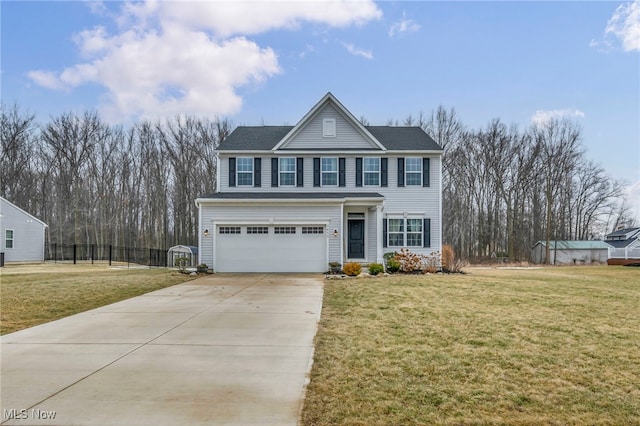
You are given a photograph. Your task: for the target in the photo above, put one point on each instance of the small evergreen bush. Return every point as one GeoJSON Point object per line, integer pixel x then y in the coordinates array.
{"type": "Point", "coordinates": [375, 268]}
{"type": "Point", "coordinates": [393, 266]}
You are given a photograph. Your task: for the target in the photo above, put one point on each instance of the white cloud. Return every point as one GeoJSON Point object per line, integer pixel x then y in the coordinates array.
{"type": "Point", "coordinates": [255, 17]}
{"type": "Point", "coordinates": [402, 26]}
{"type": "Point", "coordinates": [176, 57]}
{"type": "Point", "coordinates": [47, 79]}
{"type": "Point", "coordinates": [623, 25]}
{"type": "Point", "coordinates": [543, 116]}
{"type": "Point", "coordinates": [367, 54]}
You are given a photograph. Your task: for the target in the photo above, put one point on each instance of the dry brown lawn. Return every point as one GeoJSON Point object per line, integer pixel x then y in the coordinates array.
{"type": "Point", "coordinates": [557, 346]}
{"type": "Point", "coordinates": [39, 293]}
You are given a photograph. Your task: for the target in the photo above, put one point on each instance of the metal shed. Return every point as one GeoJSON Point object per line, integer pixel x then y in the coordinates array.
{"type": "Point", "coordinates": [567, 252]}
{"type": "Point", "coordinates": [177, 252]}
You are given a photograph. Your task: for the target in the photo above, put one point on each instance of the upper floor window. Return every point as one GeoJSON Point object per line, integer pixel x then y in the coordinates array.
{"type": "Point", "coordinates": [371, 168]}
{"type": "Point", "coordinates": [8, 240]}
{"type": "Point", "coordinates": [329, 171]}
{"type": "Point", "coordinates": [329, 128]}
{"type": "Point", "coordinates": [287, 171]}
{"type": "Point", "coordinates": [244, 170]}
{"type": "Point", "coordinates": [413, 171]}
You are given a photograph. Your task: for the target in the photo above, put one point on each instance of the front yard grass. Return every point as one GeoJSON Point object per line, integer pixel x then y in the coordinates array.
{"type": "Point", "coordinates": [35, 294]}
{"type": "Point", "coordinates": [521, 347]}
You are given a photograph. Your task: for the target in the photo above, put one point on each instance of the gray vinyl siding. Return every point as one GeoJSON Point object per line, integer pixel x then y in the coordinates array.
{"type": "Point", "coordinates": [310, 137]}
{"type": "Point", "coordinates": [435, 176]}
{"type": "Point", "coordinates": [415, 200]}
{"type": "Point", "coordinates": [28, 235]}
{"type": "Point", "coordinates": [241, 214]}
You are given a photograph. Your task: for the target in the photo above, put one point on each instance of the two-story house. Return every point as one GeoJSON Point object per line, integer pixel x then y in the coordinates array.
{"type": "Point", "coordinates": [329, 189]}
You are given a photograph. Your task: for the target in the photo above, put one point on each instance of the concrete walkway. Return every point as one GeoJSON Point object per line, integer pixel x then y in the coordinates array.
{"type": "Point", "coordinates": [220, 350]}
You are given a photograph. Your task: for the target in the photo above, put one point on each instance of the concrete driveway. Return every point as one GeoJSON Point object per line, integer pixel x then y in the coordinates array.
{"type": "Point", "coordinates": [220, 350]}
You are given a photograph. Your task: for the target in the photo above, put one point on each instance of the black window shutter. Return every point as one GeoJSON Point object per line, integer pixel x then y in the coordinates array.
{"type": "Point", "coordinates": [274, 172]}
{"type": "Point", "coordinates": [384, 167]}
{"type": "Point", "coordinates": [300, 172]}
{"type": "Point", "coordinates": [426, 233]}
{"type": "Point", "coordinates": [425, 171]}
{"type": "Point", "coordinates": [257, 172]}
{"type": "Point", "coordinates": [384, 232]}
{"type": "Point", "coordinates": [400, 171]}
{"type": "Point", "coordinates": [358, 171]}
{"type": "Point", "coordinates": [232, 171]}
{"type": "Point", "coordinates": [316, 172]}
{"type": "Point", "coordinates": [341, 171]}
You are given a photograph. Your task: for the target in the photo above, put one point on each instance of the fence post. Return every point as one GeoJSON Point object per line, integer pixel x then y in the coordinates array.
{"type": "Point", "coordinates": [110, 247]}
{"type": "Point", "coordinates": [55, 252]}
{"type": "Point", "coordinates": [92, 252]}
{"type": "Point", "coordinates": [75, 246]}
{"type": "Point", "coordinates": [128, 254]}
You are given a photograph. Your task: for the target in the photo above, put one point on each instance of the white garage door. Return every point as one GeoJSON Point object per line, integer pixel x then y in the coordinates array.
{"type": "Point", "coordinates": [281, 248]}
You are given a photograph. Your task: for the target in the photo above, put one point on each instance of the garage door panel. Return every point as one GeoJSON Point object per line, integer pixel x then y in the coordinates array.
{"type": "Point", "coordinates": [271, 252]}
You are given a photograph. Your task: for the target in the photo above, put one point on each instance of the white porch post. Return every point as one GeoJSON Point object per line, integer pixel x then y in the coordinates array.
{"type": "Point", "coordinates": [379, 236]}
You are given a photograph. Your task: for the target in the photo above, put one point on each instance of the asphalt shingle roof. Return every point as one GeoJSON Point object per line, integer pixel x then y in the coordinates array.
{"type": "Point", "coordinates": [622, 232]}
{"type": "Point", "coordinates": [264, 138]}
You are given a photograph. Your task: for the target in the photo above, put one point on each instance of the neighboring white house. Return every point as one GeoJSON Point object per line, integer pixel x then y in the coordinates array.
{"type": "Point", "coordinates": [329, 189]}
{"type": "Point", "coordinates": [625, 246]}
{"type": "Point", "coordinates": [568, 252]}
{"type": "Point", "coordinates": [22, 234]}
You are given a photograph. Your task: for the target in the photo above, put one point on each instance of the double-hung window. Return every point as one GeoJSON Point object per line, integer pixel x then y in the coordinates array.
{"type": "Point", "coordinates": [371, 169]}
{"type": "Point", "coordinates": [329, 171]}
{"type": "Point", "coordinates": [414, 232]}
{"type": "Point", "coordinates": [413, 171]}
{"type": "Point", "coordinates": [287, 171]}
{"type": "Point", "coordinates": [8, 238]}
{"type": "Point", "coordinates": [404, 232]}
{"type": "Point", "coordinates": [244, 171]}
{"type": "Point", "coordinates": [396, 232]}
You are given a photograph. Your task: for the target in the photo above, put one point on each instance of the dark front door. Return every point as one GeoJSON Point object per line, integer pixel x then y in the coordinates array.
{"type": "Point", "coordinates": [355, 242]}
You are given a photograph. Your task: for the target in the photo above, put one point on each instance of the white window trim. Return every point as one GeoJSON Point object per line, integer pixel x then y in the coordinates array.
{"type": "Point", "coordinates": [295, 169]}
{"type": "Point", "coordinates": [407, 172]}
{"type": "Point", "coordinates": [364, 171]}
{"type": "Point", "coordinates": [329, 128]}
{"type": "Point", "coordinates": [405, 231]}
{"type": "Point", "coordinates": [13, 239]}
{"type": "Point", "coordinates": [322, 172]}
{"type": "Point", "coordinates": [245, 172]}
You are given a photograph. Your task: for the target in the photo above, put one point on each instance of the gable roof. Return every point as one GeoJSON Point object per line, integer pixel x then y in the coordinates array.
{"type": "Point", "coordinates": [22, 211]}
{"type": "Point", "coordinates": [329, 99]}
{"type": "Point", "coordinates": [272, 138]}
{"type": "Point", "coordinates": [575, 244]}
{"type": "Point", "coordinates": [623, 232]}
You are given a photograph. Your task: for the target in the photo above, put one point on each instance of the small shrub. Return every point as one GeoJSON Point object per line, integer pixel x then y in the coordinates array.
{"type": "Point", "coordinates": [334, 267]}
{"type": "Point", "coordinates": [393, 266]}
{"type": "Point", "coordinates": [202, 268]}
{"type": "Point", "coordinates": [352, 269]}
{"type": "Point", "coordinates": [409, 261]}
{"type": "Point", "coordinates": [182, 263]}
{"type": "Point", "coordinates": [389, 255]}
{"type": "Point", "coordinates": [375, 268]}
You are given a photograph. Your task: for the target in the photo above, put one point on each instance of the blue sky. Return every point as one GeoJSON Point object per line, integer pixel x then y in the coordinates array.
{"type": "Point", "coordinates": [269, 62]}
